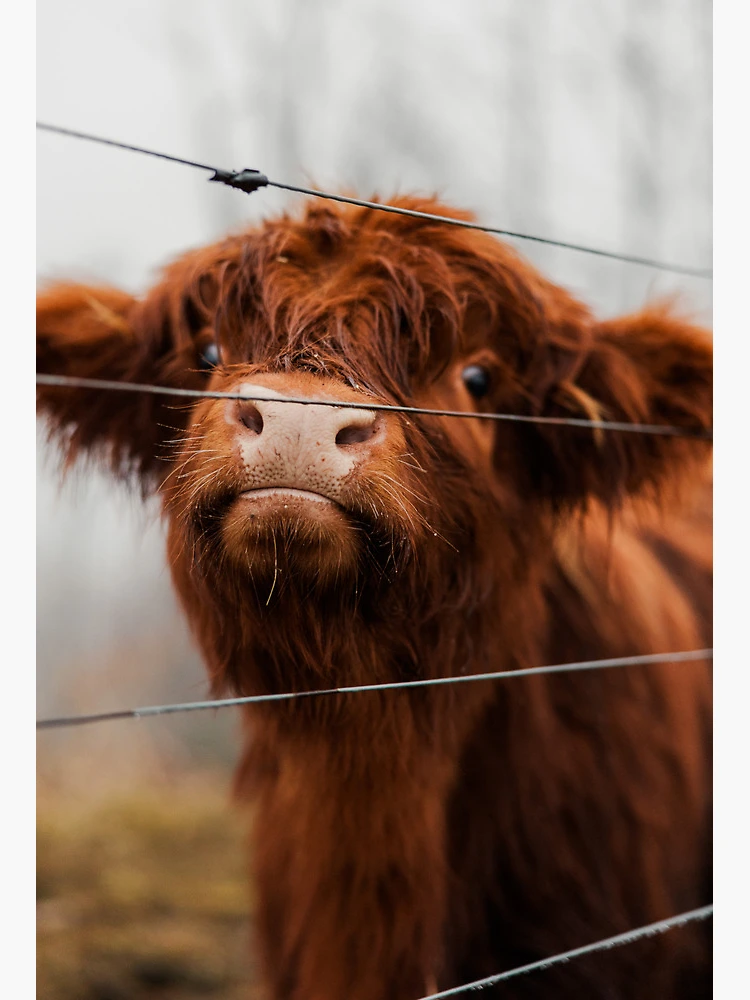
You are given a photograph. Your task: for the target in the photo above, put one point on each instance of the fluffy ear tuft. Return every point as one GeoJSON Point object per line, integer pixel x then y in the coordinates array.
{"type": "Point", "coordinates": [648, 368]}
{"type": "Point", "coordinates": [95, 332]}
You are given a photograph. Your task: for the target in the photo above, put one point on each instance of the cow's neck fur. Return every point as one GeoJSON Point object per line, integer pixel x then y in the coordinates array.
{"type": "Point", "coordinates": [359, 782]}
{"type": "Point", "coordinates": [357, 797]}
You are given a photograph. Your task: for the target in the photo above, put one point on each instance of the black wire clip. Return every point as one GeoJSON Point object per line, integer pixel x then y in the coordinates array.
{"type": "Point", "coordinates": [246, 180]}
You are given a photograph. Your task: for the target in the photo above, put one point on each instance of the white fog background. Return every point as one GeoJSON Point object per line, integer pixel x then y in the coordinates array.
{"type": "Point", "coordinates": [582, 120]}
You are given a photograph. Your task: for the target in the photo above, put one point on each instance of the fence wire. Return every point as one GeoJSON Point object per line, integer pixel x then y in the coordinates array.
{"type": "Point", "coordinates": [257, 699]}
{"type": "Point", "coordinates": [629, 937]}
{"type": "Point", "coordinates": [72, 381]}
{"type": "Point", "coordinates": [250, 180]}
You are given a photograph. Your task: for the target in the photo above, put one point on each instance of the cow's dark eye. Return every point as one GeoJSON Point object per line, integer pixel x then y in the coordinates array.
{"type": "Point", "coordinates": [209, 357]}
{"type": "Point", "coordinates": [477, 380]}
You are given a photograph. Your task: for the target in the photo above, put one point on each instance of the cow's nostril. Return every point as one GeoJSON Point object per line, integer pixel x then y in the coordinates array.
{"type": "Point", "coordinates": [355, 434]}
{"type": "Point", "coordinates": [250, 417]}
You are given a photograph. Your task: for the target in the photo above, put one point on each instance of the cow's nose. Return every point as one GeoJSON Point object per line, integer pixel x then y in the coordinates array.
{"type": "Point", "coordinates": [342, 428]}
{"type": "Point", "coordinates": [299, 445]}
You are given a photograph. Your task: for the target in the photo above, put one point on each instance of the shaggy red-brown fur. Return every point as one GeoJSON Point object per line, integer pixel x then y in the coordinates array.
{"type": "Point", "coordinates": [414, 840]}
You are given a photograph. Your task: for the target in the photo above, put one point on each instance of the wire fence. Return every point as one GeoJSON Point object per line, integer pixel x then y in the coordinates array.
{"type": "Point", "coordinates": [72, 381]}
{"type": "Point", "coordinates": [258, 699]}
{"type": "Point", "coordinates": [629, 937]}
{"type": "Point", "coordinates": [250, 180]}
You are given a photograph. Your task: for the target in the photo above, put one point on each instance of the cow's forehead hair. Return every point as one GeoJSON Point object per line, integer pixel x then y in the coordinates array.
{"type": "Point", "coordinates": [361, 291]}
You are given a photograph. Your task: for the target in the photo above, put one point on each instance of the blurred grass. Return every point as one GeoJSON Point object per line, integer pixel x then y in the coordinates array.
{"type": "Point", "coordinates": [143, 893]}
{"type": "Point", "coordinates": [141, 856]}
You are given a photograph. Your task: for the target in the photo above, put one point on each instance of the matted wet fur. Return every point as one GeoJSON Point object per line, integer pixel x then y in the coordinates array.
{"type": "Point", "coordinates": [414, 840]}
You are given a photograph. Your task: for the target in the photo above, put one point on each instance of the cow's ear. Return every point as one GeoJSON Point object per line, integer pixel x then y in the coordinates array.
{"type": "Point", "coordinates": [104, 333]}
{"type": "Point", "coordinates": [647, 368]}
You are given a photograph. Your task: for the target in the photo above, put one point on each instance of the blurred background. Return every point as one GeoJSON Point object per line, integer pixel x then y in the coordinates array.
{"type": "Point", "coordinates": [572, 119]}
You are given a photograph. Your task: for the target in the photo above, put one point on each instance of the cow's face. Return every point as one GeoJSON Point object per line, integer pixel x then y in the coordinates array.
{"type": "Point", "coordinates": [282, 495]}
{"type": "Point", "coordinates": [309, 495]}
{"type": "Point", "coordinates": [268, 496]}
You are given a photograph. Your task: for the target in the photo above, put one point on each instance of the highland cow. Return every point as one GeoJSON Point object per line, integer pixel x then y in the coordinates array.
{"type": "Point", "coordinates": [412, 840]}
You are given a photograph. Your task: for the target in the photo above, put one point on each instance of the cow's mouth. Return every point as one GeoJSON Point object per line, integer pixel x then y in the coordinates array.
{"type": "Point", "coordinates": [291, 535]}
{"type": "Point", "coordinates": [297, 536]}
{"type": "Point", "coordinates": [282, 494]}
{"type": "Point", "coordinates": [290, 516]}
{"type": "Point", "coordinates": [274, 507]}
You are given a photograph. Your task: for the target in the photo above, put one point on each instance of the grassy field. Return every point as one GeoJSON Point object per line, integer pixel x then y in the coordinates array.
{"type": "Point", "coordinates": [143, 894]}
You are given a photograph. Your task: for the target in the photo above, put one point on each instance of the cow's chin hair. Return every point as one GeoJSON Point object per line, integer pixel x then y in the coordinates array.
{"type": "Point", "coordinates": [297, 545]}
{"type": "Point", "coordinates": [291, 543]}
{"type": "Point", "coordinates": [277, 544]}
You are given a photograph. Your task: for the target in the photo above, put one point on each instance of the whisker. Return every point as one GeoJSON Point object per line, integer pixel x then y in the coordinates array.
{"type": "Point", "coordinates": [275, 566]}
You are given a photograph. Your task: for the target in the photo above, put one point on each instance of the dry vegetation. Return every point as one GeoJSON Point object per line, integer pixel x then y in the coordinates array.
{"type": "Point", "coordinates": [143, 895]}
{"type": "Point", "coordinates": [142, 885]}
